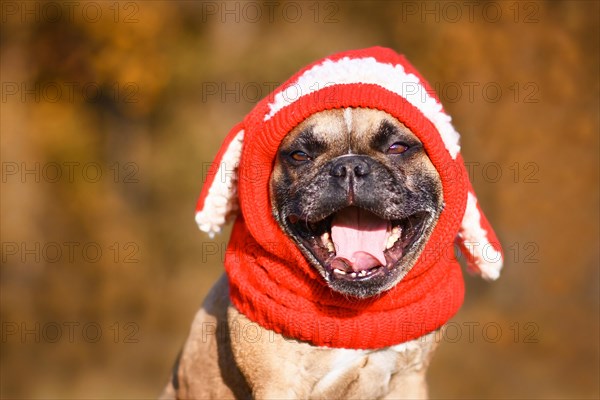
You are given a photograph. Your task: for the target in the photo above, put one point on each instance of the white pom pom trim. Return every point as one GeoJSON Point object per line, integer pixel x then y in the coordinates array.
{"type": "Point", "coordinates": [221, 203]}
{"type": "Point", "coordinates": [487, 261]}
{"type": "Point", "coordinates": [370, 71]}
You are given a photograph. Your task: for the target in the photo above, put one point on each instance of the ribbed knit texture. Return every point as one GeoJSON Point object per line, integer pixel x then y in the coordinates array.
{"type": "Point", "coordinates": [272, 283]}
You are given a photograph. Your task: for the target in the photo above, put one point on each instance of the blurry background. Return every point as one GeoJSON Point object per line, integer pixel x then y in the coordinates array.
{"type": "Point", "coordinates": [111, 112]}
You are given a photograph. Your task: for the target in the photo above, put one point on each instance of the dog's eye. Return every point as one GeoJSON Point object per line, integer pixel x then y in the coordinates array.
{"type": "Point", "coordinates": [299, 155]}
{"type": "Point", "coordinates": [397, 148]}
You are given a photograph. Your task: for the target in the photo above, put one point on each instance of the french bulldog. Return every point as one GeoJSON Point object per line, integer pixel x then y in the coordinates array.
{"type": "Point", "coordinates": [355, 190]}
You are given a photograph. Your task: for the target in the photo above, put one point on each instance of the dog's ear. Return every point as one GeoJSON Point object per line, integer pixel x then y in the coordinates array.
{"type": "Point", "coordinates": [478, 242]}
{"type": "Point", "coordinates": [218, 201]}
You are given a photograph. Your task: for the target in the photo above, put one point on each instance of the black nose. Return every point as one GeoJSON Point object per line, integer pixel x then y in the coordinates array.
{"type": "Point", "coordinates": [346, 165]}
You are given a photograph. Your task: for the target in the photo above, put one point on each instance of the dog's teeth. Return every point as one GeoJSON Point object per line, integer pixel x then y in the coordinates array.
{"type": "Point", "coordinates": [326, 240]}
{"type": "Point", "coordinates": [392, 240]}
{"type": "Point", "coordinates": [339, 271]}
{"type": "Point", "coordinates": [363, 273]}
{"type": "Point", "coordinates": [353, 274]}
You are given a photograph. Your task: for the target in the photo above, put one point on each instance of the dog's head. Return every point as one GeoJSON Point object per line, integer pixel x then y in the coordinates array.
{"type": "Point", "coordinates": [356, 191]}
{"type": "Point", "coordinates": [350, 172]}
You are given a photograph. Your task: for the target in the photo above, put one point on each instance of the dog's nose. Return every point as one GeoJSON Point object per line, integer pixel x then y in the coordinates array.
{"type": "Point", "coordinates": [346, 165]}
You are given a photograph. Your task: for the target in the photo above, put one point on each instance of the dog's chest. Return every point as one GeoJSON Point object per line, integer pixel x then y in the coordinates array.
{"type": "Point", "coordinates": [347, 370]}
{"type": "Point", "coordinates": [278, 367]}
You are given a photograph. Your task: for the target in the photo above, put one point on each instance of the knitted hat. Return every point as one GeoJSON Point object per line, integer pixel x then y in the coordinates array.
{"type": "Point", "coordinates": [375, 78]}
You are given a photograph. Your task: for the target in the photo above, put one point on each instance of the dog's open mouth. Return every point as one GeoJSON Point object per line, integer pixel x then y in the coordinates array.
{"type": "Point", "coordinates": [354, 244]}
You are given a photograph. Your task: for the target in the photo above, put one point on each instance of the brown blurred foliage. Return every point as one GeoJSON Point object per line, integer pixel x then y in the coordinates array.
{"type": "Point", "coordinates": [143, 93]}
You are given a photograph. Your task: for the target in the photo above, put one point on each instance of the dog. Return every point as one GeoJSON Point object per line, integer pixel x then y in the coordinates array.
{"type": "Point", "coordinates": [336, 276]}
{"type": "Point", "coordinates": [357, 172]}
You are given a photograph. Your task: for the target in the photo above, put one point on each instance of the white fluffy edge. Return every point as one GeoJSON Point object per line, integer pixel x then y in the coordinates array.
{"type": "Point", "coordinates": [370, 71]}
{"type": "Point", "coordinates": [221, 200]}
{"type": "Point", "coordinates": [486, 257]}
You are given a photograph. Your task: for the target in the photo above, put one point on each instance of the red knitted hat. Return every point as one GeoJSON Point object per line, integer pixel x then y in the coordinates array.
{"type": "Point", "coordinates": [270, 280]}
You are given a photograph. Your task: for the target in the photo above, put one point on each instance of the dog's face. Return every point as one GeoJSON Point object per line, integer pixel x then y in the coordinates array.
{"type": "Point", "coordinates": [357, 193]}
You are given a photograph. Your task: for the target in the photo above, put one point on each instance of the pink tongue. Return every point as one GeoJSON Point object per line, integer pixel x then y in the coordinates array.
{"type": "Point", "coordinates": [359, 237]}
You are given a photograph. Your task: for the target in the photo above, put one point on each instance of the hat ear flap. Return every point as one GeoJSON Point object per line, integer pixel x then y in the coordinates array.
{"type": "Point", "coordinates": [478, 242]}
{"type": "Point", "coordinates": [218, 201]}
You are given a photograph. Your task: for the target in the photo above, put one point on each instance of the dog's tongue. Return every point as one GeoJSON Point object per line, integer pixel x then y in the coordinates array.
{"type": "Point", "coordinates": [359, 237]}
